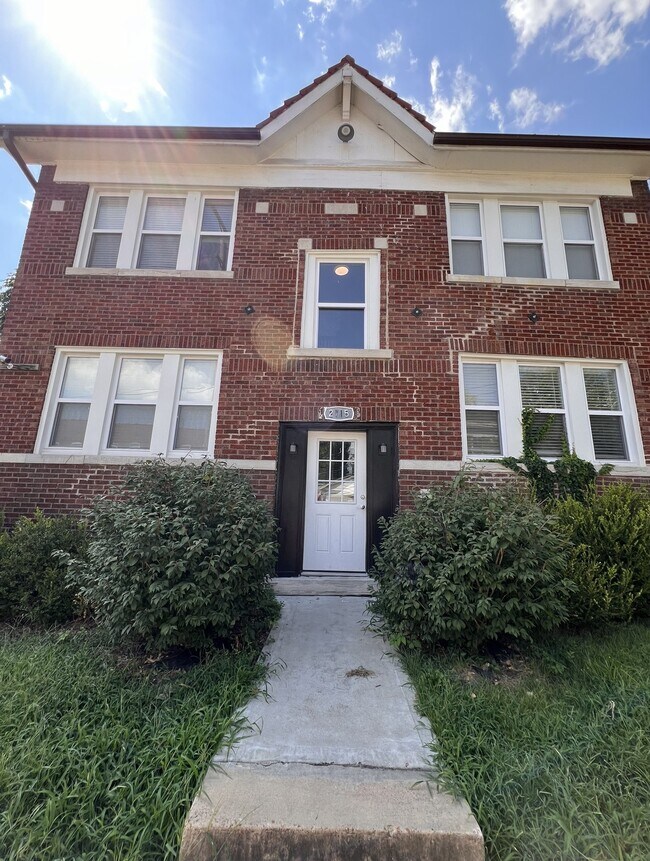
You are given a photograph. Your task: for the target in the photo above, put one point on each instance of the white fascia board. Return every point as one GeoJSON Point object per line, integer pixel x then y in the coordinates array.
{"type": "Point", "coordinates": [299, 106]}
{"type": "Point", "coordinates": [397, 177]}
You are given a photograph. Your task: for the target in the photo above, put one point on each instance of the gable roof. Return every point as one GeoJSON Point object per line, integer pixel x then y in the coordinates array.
{"type": "Point", "coordinates": [347, 61]}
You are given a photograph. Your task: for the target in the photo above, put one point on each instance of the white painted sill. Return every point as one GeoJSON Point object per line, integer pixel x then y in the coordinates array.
{"type": "Point", "coordinates": [336, 353]}
{"type": "Point", "coordinates": [66, 458]}
{"type": "Point", "coordinates": [151, 273]}
{"type": "Point", "coordinates": [567, 283]}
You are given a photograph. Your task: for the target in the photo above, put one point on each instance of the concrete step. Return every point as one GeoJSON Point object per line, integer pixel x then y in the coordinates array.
{"type": "Point", "coordinates": [341, 585]}
{"type": "Point", "coordinates": [303, 812]}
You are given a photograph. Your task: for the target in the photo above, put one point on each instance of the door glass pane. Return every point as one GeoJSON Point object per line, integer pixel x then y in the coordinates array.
{"type": "Point", "coordinates": [483, 432]}
{"type": "Point", "coordinates": [608, 435]}
{"type": "Point", "coordinates": [465, 219]}
{"type": "Point", "coordinates": [217, 216]}
{"type": "Point", "coordinates": [601, 388]}
{"type": "Point", "coordinates": [193, 428]}
{"type": "Point", "coordinates": [541, 387]}
{"type": "Point", "coordinates": [139, 379]}
{"type": "Point", "coordinates": [480, 383]}
{"type": "Point", "coordinates": [158, 251]}
{"type": "Point", "coordinates": [323, 470]}
{"type": "Point", "coordinates": [524, 261]}
{"type": "Point", "coordinates": [79, 379]}
{"type": "Point", "coordinates": [337, 450]}
{"type": "Point", "coordinates": [341, 283]}
{"type": "Point", "coordinates": [576, 224]}
{"type": "Point", "coordinates": [323, 450]}
{"type": "Point", "coordinates": [70, 425]}
{"type": "Point", "coordinates": [104, 248]}
{"type": "Point", "coordinates": [341, 327]}
{"type": "Point", "coordinates": [131, 426]}
{"type": "Point", "coordinates": [336, 476]}
{"type": "Point", "coordinates": [348, 450]}
{"type": "Point", "coordinates": [521, 222]}
{"type": "Point", "coordinates": [581, 261]}
{"type": "Point", "coordinates": [198, 382]}
{"type": "Point", "coordinates": [213, 252]}
{"type": "Point", "coordinates": [337, 469]}
{"type": "Point", "coordinates": [467, 257]}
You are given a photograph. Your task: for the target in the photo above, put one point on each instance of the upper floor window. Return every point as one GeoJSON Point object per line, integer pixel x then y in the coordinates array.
{"type": "Point", "coordinates": [341, 300]}
{"type": "Point", "coordinates": [134, 403]}
{"type": "Point", "coordinates": [528, 239]}
{"type": "Point", "coordinates": [141, 230]}
{"type": "Point", "coordinates": [586, 406]}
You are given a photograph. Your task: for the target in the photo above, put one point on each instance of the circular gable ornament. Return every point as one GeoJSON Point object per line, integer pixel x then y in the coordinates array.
{"type": "Point", "coordinates": [346, 132]}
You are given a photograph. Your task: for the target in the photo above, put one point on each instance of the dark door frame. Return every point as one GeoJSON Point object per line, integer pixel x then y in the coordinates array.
{"type": "Point", "coordinates": [382, 466]}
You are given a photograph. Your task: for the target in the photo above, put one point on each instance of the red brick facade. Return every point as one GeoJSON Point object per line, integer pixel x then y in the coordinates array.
{"type": "Point", "coordinates": [417, 388]}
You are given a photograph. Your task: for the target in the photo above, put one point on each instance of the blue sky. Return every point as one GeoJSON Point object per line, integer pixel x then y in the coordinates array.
{"type": "Point", "coordinates": [544, 66]}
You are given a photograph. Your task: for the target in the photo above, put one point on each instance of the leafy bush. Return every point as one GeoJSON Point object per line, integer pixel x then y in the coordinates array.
{"type": "Point", "coordinates": [610, 560]}
{"type": "Point", "coordinates": [467, 565]}
{"type": "Point", "coordinates": [181, 558]}
{"type": "Point", "coordinates": [33, 585]}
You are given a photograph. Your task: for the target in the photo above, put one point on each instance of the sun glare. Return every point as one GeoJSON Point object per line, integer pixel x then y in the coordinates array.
{"type": "Point", "coordinates": [111, 45]}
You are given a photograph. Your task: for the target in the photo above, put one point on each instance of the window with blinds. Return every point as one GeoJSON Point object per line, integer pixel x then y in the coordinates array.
{"type": "Point", "coordinates": [161, 233]}
{"type": "Point", "coordinates": [523, 245]}
{"type": "Point", "coordinates": [482, 410]}
{"type": "Point", "coordinates": [214, 241]}
{"type": "Point", "coordinates": [605, 414]}
{"type": "Point", "coordinates": [579, 246]}
{"type": "Point", "coordinates": [466, 239]}
{"type": "Point", "coordinates": [541, 390]}
{"type": "Point", "coordinates": [107, 232]}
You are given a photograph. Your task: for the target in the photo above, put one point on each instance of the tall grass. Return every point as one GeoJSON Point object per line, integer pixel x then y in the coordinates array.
{"type": "Point", "coordinates": [99, 761]}
{"type": "Point", "coordinates": [557, 766]}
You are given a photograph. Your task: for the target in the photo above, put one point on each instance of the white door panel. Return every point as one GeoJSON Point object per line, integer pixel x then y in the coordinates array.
{"type": "Point", "coordinates": [335, 502]}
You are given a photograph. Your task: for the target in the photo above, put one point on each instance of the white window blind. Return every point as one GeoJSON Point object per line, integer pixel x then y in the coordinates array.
{"type": "Point", "coordinates": [482, 413]}
{"type": "Point", "coordinates": [107, 232]}
{"type": "Point", "coordinates": [522, 241]}
{"type": "Point", "coordinates": [605, 414]}
{"type": "Point", "coordinates": [541, 390]}
{"type": "Point", "coordinates": [195, 404]}
{"type": "Point", "coordinates": [75, 395]}
{"type": "Point", "coordinates": [579, 246]}
{"type": "Point", "coordinates": [161, 233]}
{"type": "Point", "coordinates": [135, 404]}
{"type": "Point", "coordinates": [466, 239]}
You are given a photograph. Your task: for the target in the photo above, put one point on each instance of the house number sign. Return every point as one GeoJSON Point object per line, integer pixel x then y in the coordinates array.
{"type": "Point", "coordinates": [338, 414]}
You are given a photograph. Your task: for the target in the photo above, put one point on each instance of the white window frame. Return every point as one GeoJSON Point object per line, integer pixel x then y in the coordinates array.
{"type": "Point", "coordinates": [579, 241]}
{"type": "Point", "coordinates": [552, 236]}
{"type": "Point", "coordinates": [127, 258]}
{"type": "Point", "coordinates": [576, 411]}
{"type": "Point", "coordinates": [488, 360]}
{"type": "Point", "coordinates": [309, 329]}
{"type": "Point", "coordinates": [452, 238]}
{"type": "Point", "coordinates": [542, 241]}
{"type": "Point", "coordinates": [103, 401]}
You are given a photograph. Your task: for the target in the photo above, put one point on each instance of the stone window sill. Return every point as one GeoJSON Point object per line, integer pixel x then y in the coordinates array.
{"type": "Point", "coordinates": [151, 273]}
{"type": "Point", "coordinates": [336, 353]}
{"type": "Point", "coordinates": [570, 283]}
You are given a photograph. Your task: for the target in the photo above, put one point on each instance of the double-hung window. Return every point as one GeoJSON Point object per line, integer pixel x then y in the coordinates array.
{"type": "Point", "coordinates": [527, 239]}
{"type": "Point", "coordinates": [158, 231]}
{"type": "Point", "coordinates": [341, 300]}
{"type": "Point", "coordinates": [587, 406]}
{"type": "Point", "coordinates": [131, 403]}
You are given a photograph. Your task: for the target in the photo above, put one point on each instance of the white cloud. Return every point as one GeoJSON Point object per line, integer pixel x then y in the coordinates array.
{"type": "Point", "coordinates": [5, 87]}
{"type": "Point", "coordinates": [413, 60]}
{"type": "Point", "coordinates": [320, 10]}
{"type": "Point", "coordinates": [527, 109]}
{"type": "Point", "coordinates": [390, 48]}
{"type": "Point", "coordinates": [261, 75]}
{"type": "Point", "coordinates": [301, 32]}
{"type": "Point", "coordinates": [449, 112]}
{"type": "Point", "coordinates": [595, 29]}
{"type": "Point", "coordinates": [389, 81]}
{"type": "Point", "coordinates": [27, 204]}
{"type": "Point", "coordinates": [496, 114]}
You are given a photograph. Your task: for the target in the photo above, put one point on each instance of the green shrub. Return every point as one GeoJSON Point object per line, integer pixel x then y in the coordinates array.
{"type": "Point", "coordinates": [182, 557]}
{"type": "Point", "coordinates": [470, 564]}
{"type": "Point", "coordinates": [33, 584]}
{"type": "Point", "coordinates": [610, 559]}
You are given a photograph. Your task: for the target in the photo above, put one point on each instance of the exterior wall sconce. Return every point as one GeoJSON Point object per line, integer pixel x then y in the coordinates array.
{"type": "Point", "coordinates": [417, 312]}
{"type": "Point", "coordinates": [533, 317]}
{"type": "Point", "coordinates": [383, 448]}
{"type": "Point", "coordinates": [293, 448]}
{"type": "Point", "coordinates": [248, 310]}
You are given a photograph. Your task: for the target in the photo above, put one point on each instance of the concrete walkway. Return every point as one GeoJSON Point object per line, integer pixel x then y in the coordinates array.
{"type": "Point", "coordinates": [336, 766]}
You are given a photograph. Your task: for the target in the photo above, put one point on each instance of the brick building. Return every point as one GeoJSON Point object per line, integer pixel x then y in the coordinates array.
{"type": "Point", "coordinates": [340, 301]}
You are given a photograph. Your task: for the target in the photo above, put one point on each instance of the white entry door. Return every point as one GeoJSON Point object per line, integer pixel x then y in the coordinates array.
{"type": "Point", "coordinates": [335, 503]}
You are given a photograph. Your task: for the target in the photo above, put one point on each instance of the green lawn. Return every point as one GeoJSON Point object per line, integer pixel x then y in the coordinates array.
{"type": "Point", "coordinates": [100, 760]}
{"type": "Point", "coordinates": [554, 759]}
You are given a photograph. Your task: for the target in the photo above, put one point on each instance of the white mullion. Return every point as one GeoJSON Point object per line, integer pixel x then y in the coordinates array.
{"type": "Point", "coordinates": [165, 403]}
{"type": "Point", "coordinates": [578, 414]}
{"type": "Point", "coordinates": [512, 409]}
{"type": "Point", "coordinates": [551, 225]}
{"type": "Point", "coordinates": [233, 222]}
{"type": "Point", "coordinates": [190, 229]}
{"type": "Point", "coordinates": [126, 258]}
{"type": "Point", "coordinates": [101, 405]}
{"type": "Point", "coordinates": [493, 243]}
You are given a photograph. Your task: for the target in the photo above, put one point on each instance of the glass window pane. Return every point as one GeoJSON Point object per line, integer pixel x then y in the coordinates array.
{"type": "Point", "coordinates": [104, 248]}
{"type": "Point", "coordinates": [576, 223]}
{"type": "Point", "coordinates": [131, 426]}
{"type": "Point", "coordinates": [70, 425]}
{"type": "Point", "coordinates": [198, 382]}
{"type": "Point", "coordinates": [323, 450]}
{"type": "Point", "coordinates": [337, 469]}
{"type": "Point", "coordinates": [521, 222]}
{"type": "Point", "coordinates": [348, 450]}
{"type": "Point", "coordinates": [602, 389]}
{"type": "Point", "coordinates": [347, 489]}
{"type": "Point", "coordinates": [79, 377]}
{"type": "Point", "coordinates": [323, 470]}
{"type": "Point", "coordinates": [217, 215]}
{"type": "Point", "coordinates": [608, 434]}
{"type": "Point", "coordinates": [158, 251]}
{"type": "Point", "coordinates": [193, 428]}
{"type": "Point", "coordinates": [341, 327]}
{"type": "Point", "coordinates": [524, 261]}
{"type": "Point", "coordinates": [480, 384]}
{"type": "Point", "coordinates": [483, 433]}
{"type": "Point", "coordinates": [164, 213]}
{"type": "Point", "coordinates": [139, 379]}
{"type": "Point", "coordinates": [552, 444]}
{"type": "Point", "coordinates": [337, 450]}
{"type": "Point", "coordinates": [110, 213]}
{"type": "Point", "coordinates": [213, 252]}
{"type": "Point", "coordinates": [467, 257]}
{"type": "Point", "coordinates": [465, 219]}
{"type": "Point", "coordinates": [541, 387]}
{"type": "Point", "coordinates": [323, 491]}
{"type": "Point", "coordinates": [581, 261]}
{"type": "Point", "coordinates": [342, 282]}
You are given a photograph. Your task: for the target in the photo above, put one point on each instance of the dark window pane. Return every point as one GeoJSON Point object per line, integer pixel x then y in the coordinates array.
{"type": "Point", "coordinates": [323, 450]}
{"type": "Point", "coordinates": [193, 428]}
{"type": "Point", "coordinates": [553, 441]}
{"type": "Point", "coordinates": [609, 437]}
{"type": "Point", "coordinates": [342, 282]}
{"type": "Point", "coordinates": [337, 450]}
{"type": "Point", "coordinates": [338, 327]}
{"type": "Point", "coordinates": [467, 257]}
{"type": "Point", "coordinates": [70, 425]}
{"type": "Point", "coordinates": [524, 261]}
{"type": "Point", "coordinates": [132, 425]}
{"type": "Point", "coordinates": [581, 261]}
{"type": "Point", "coordinates": [337, 469]}
{"type": "Point", "coordinates": [213, 252]}
{"type": "Point", "coordinates": [158, 251]}
{"type": "Point", "coordinates": [323, 470]}
{"type": "Point", "coordinates": [104, 249]}
{"type": "Point", "coordinates": [483, 434]}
